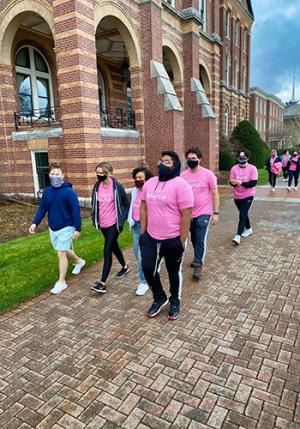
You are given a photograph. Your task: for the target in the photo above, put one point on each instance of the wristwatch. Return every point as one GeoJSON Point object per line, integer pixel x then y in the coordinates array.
{"type": "Point", "coordinates": [216, 213]}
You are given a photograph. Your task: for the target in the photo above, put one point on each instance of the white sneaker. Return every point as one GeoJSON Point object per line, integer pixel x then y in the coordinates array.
{"type": "Point", "coordinates": [78, 267]}
{"type": "Point", "coordinates": [247, 232]}
{"type": "Point", "coordinates": [237, 239]}
{"type": "Point", "coordinates": [58, 288]}
{"type": "Point", "coordinates": [296, 189]}
{"type": "Point", "coordinates": [289, 189]}
{"type": "Point", "coordinates": [273, 189]}
{"type": "Point", "coordinates": [142, 289]}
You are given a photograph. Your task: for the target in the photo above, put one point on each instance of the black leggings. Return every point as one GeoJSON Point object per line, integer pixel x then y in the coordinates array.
{"type": "Point", "coordinates": [243, 207]}
{"type": "Point", "coordinates": [272, 179]}
{"type": "Point", "coordinates": [293, 175]}
{"type": "Point", "coordinates": [111, 246]}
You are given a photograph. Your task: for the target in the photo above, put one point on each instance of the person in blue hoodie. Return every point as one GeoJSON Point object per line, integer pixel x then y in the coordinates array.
{"type": "Point", "coordinates": [61, 203]}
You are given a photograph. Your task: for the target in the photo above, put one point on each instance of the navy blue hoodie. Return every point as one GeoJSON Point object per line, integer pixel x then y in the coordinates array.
{"type": "Point", "coordinates": [62, 207]}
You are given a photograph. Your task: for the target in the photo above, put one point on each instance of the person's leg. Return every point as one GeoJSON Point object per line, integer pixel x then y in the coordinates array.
{"type": "Point", "coordinates": [62, 265]}
{"type": "Point", "coordinates": [296, 178]}
{"type": "Point", "coordinates": [193, 234]}
{"type": "Point", "coordinates": [245, 205]}
{"type": "Point", "coordinates": [109, 236]}
{"type": "Point", "coordinates": [201, 232]}
{"type": "Point", "coordinates": [137, 251]}
{"type": "Point", "coordinates": [150, 252]}
{"type": "Point", "coordinates": [173, 251]}
{"type": "Point", "coordinates": [274, 180]}
{"type": "Point", "coordinates": [270, 179]}
{"type": "Point", "coordinates": [238, 204]}
{"type": "Point", "coordinates": [116, 248]}
{"type": "Point", "coordinates": [72, 255]}
{"type": "Point", "coordinates": [291, 175]}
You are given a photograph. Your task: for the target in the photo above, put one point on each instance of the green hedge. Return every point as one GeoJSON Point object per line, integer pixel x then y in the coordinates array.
{"type": "Point", "coordinates": [226, 155]}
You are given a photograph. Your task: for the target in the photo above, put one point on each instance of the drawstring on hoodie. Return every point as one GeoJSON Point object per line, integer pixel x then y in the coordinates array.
{"type": "Point", "coordinates": [156, 268]}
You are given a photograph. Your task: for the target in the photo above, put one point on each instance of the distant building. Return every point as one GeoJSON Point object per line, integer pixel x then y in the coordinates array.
{"type": "Point", "coordinates": [291, 118]}
{"type": "Point", "coordinates": [266, 115]}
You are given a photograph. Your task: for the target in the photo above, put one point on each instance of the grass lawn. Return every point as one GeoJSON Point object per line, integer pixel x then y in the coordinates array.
{"type": "Point", "coordinates": [28, 265]}
{"type": "Point", "coordinates": [263, 176]}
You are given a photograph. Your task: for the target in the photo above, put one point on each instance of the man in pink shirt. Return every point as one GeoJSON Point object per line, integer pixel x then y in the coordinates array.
{"type": "Point", "coordinates": [206, 204]}
{"type": "Point", "coordinates": [166, 207]}
{"type": "Point", "coordinates": [243, 178]}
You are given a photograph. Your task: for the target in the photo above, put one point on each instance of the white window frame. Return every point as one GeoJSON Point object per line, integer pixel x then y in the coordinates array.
{"type": "Point", "coordinates": [34, 170]}
{"type": "Point", "coordinates": [202, 7]}
{"type": "Point", "coordinates": [235, 74]}
{"type": "Point", "coordinates": [34, 74]}
{"type": "Point", "coordinates": [237, 32]}
{"type": "Point", "coordinates": [226, 120]}
{"type": "Point", "coordinates": [234, 117]}
{"type": "Point", "coordinates": [227, 69]}
{"type": "Point", "coordinates": [245, 40]}
{"type": "Point", "coordinates": [227, 24]}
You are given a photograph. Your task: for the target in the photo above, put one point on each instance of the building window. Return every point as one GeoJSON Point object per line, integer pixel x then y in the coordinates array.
{"type": "Point", "coordinates": [244, 79]}
{"type": "Point", "coordinates": [243, 115]}
{"type": "Point", "coordinates": [33, 83]}
{"type": "Point", "coordinates": [227, 69]}
{"type": "Point", "coordinates": [101, 89]}
{"type": "Point", "coordinates": [40, 169]}
{"type": "Point", "coordinates": [245, 40]}
{"type": "Point", "coordinates": [202, 11]}
{"type": "Point", "coordinates": [235, 74]}
{"type": "Point", "coordinates": [227, 24]}
{"type": "Point", "coordinates": [236, 32]}
{"type": "Point", "coordinates": [226, 124]}
{"type": "Point", "coordinates": [234, 117]}
{"type": "Point", "coordinates": [171, 2]}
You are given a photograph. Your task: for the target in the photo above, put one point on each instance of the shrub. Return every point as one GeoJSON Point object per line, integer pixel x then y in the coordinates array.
{"type": "Point", "coordinates": [245, 136]}
{"type": "Point", "coordinates": [226, 155]}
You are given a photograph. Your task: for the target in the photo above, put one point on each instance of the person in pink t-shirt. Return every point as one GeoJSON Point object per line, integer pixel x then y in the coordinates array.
{"type": "Point", "coordinates": [274, 167]}
{"type": "Point", "coordinates": [285, 157]}
{"type": "Point", "coordinates": [243, 178]}
{"type": "Point", "coordinates": [293, 171]}
{"type": "Point", "coordinates": [166, 208]}
{"type": "Point", "coordinates": [140, 176]}
{"type": "Point", "coordinates": [206, 205]}
{"type": "Point", "coordinates": [110, 208]}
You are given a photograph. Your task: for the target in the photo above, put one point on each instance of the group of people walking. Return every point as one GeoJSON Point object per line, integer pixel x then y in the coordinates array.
{"type": "Point", "coordinates": [286, 163]}
{"type": "Point", "coordinates": [163, 210]}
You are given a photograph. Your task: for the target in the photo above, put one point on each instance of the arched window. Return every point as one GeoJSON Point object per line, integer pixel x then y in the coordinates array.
{"type": "Point", "coordinates": [226, 124]}
{"type": "Point", "coordinates": [34, 83]}
{"type": "Point", "coordinates": [243, 116]}
{"type": "Point", "coordinates": [101, 89]}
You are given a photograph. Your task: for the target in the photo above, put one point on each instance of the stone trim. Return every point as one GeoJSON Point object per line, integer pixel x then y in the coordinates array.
{"type": "Point", "coordinates": [37, 134]}
{"type": "Point", "coordinates": [201, 98]}
{"type": "Point", "coordinates": [164, 86]}
{"type": "Point", "coordinates": [122, 133]}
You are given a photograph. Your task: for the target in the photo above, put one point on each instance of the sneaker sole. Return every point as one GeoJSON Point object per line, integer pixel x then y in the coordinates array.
{"type": "Point", "coordinates": [141, 294]}
{"type": "Point", "coordinates": [197, 278]}
{"type": "Point", "coordinates": [158, 311]}
{"type": "Point", "coordinates": [125, 274]}
{"type": "Point", "coordinates": [99, 291]}
{"type": "Point", "coordinates": [78, 272]}
{"type": "Point", "coordinates": [235, 242]}
{"type": "Point", "coordinates": [57, 293]}
{"type": "Point", "coordinates": [173, 317]}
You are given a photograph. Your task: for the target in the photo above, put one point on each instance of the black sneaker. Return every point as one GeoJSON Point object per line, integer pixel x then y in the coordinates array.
{"type": "Point", "coordinates": [197, 274]}
{"type": "Point", "coordinates": [192, 265]}
{"type": "Point", "coordinates": [156, 307]}
{"type": "Point", "coordinates": [174, 311]}
{"type": "Point", "coordinates": [122, 273]}
{"type": "Point", "coordinates": [99, 287]}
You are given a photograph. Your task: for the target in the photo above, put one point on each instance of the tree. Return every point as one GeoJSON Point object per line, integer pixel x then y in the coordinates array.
{"type": "Point", "coordinates": [245, 136]}
{"type": "Point", "coordinates": [226, 155]}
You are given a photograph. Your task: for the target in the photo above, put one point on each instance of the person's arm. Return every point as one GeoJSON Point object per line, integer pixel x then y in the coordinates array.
{"type": "Point", "coordinates": [216, 205]}
{"type": "Point", "coordinates": [143, 217]}
{"type": "Point", "coordinates": [185, 224]}
{"type": "Point", "coordinates": [250, 184]}
{"type": "Point", "coordinates": [124, 200]}
{"type": "Point", "coordinates": [75, 209]}
{"type": "Point", "coordinates": [232, 180]}
{"type": "Point", "coordinates": [39, 216]}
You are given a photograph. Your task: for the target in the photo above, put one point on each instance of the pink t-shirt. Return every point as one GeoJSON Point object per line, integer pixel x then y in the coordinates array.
{"type": "Point", "coordinates": [107, 210]}
{"type": "Point", "coordinates": [293, 166]}
{"type": "Point", "coordinates": [137, 206]}
{"type": "Point", "coordinates": [245, 174]}
{"type": "Point", "coordinates": [165, 200]}
{"type": "Point", "coordinates": [202, 182]}
{"type": "Point", "coordinates": [285, 160]}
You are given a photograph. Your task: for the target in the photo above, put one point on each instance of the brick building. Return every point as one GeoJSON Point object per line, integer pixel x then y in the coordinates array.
{"type": "Point", "coordinates": [89, 80]}
{"type": "Point", "coordinates": [266, 115]}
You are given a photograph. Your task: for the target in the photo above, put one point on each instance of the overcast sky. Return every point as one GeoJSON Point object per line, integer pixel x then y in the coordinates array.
{"type": "Point", "coordinates": [276, 46]}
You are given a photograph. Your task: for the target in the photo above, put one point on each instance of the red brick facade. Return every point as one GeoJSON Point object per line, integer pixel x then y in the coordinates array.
{"type": "Point", "coordinates": [90, 103]}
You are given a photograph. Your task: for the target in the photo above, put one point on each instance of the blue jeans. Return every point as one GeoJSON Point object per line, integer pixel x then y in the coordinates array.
{"type": "Point", "coordinates": [199, 231]}
{"type": "Point", "coordinates": [136, 248]}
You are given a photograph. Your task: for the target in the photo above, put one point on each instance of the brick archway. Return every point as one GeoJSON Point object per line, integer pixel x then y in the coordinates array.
{"type": "Point", "coordinates": [175, 59]}
{"type": "Point", "coordinates": [13, 16]}
{"type": "Point", "coordinates": [125, 28]}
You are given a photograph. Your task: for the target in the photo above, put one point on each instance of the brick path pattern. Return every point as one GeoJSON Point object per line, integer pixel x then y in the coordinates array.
{"type": "Point", "coordinates": [232, 359]}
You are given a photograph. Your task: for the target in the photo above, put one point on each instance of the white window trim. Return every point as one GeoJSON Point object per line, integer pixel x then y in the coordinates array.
{"type": "Point", "coordinates": [34, 74]}
{"type": "Point", "coordinates": [34, 170]}
{"type": "Point", "coordinates": [226, 118]}
{"type": "Point", "coordinates": [227, 24]}
{"type": "Point", "coordinates": [237, 32]}
{"type": "Point", "coordinates": [234, 117]}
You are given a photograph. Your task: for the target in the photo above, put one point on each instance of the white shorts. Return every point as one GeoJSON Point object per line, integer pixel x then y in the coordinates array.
{"type": "Point", "coordinates": [62, 240]}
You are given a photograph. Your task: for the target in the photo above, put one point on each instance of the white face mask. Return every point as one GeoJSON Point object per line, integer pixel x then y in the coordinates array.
{"type": "Point", "coordinates": [56, 181]}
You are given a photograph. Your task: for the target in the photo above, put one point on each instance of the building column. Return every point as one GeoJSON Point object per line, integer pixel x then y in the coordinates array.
{"type": "Point", "coordinates": [75, 49]}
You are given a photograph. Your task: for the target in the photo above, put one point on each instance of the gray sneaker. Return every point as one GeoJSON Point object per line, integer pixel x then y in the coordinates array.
{"type": "Point", "coordinates": [197, 274]}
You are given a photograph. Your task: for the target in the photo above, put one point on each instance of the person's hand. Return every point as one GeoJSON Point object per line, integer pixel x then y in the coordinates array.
{"type": "Point", "coordinates": [32, 229]}
{"type": "Point", "coordinates": [76, 235]}
{"type": "Point", "coordinates": [215, 219]}
{"type": "Point", "coordinates": [235, 182]}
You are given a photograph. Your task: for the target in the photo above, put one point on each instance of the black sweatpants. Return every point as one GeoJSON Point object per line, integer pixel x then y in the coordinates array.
{"type": "Point", "coordinates": [152, 252]}
{"type": "Point", "coordinates": [293, 175]}
{"type": "Point", "coordinates": [272, 179]}
{"type": "Point", "coordinates": [111, 246]}
{"type": "Point", "coordinates": [285, 172]}
{"type": "Point", "coordinates": [243, 206]}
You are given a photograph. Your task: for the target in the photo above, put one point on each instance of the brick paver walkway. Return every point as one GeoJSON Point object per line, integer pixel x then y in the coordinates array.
{"type": "Point", "coordinates": [232, 360]}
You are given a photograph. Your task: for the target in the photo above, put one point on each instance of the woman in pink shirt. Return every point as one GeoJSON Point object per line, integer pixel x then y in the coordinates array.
{"type": "Point", "coordinates": [110, 207]}
{"type": "Point", "coordinates": [140, 176]}
{"type": "Point", "coordinates": [243, 178]}
{"type": "Point", "coordinates": [293, 170]}
{"type": "Point", "coordinates": [274, 166]}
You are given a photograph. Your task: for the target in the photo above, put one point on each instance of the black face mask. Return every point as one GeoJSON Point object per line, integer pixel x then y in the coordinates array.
{"type": "Point", "coordinates": [101, 178]}
{"type": "Point", "coordinates": [192, 163]}
{"type": "Point", "coordinates": [164, 173]}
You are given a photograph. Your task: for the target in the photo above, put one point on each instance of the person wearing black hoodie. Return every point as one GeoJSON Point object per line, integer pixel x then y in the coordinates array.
{"type": "Point", "coordinates": [166, 208]}
{"type": "Point", "coordinates": [274, 166]}
{"type": "Point", "coordinates": [110, 207]}
{"type": "Point", "coordinates": [61, 203]}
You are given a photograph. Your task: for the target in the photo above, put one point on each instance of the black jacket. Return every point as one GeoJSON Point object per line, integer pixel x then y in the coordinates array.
{"type": "Point", "coordinates": [292, 161]}
{"type": "Point", "coordinates": [268, 164]}
{"type": "Point", "coordinates": [121, 204]}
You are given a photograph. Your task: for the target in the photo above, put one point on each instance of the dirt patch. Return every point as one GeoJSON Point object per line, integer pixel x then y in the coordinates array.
{"type": "Point", "coordinates": [16, 218]}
